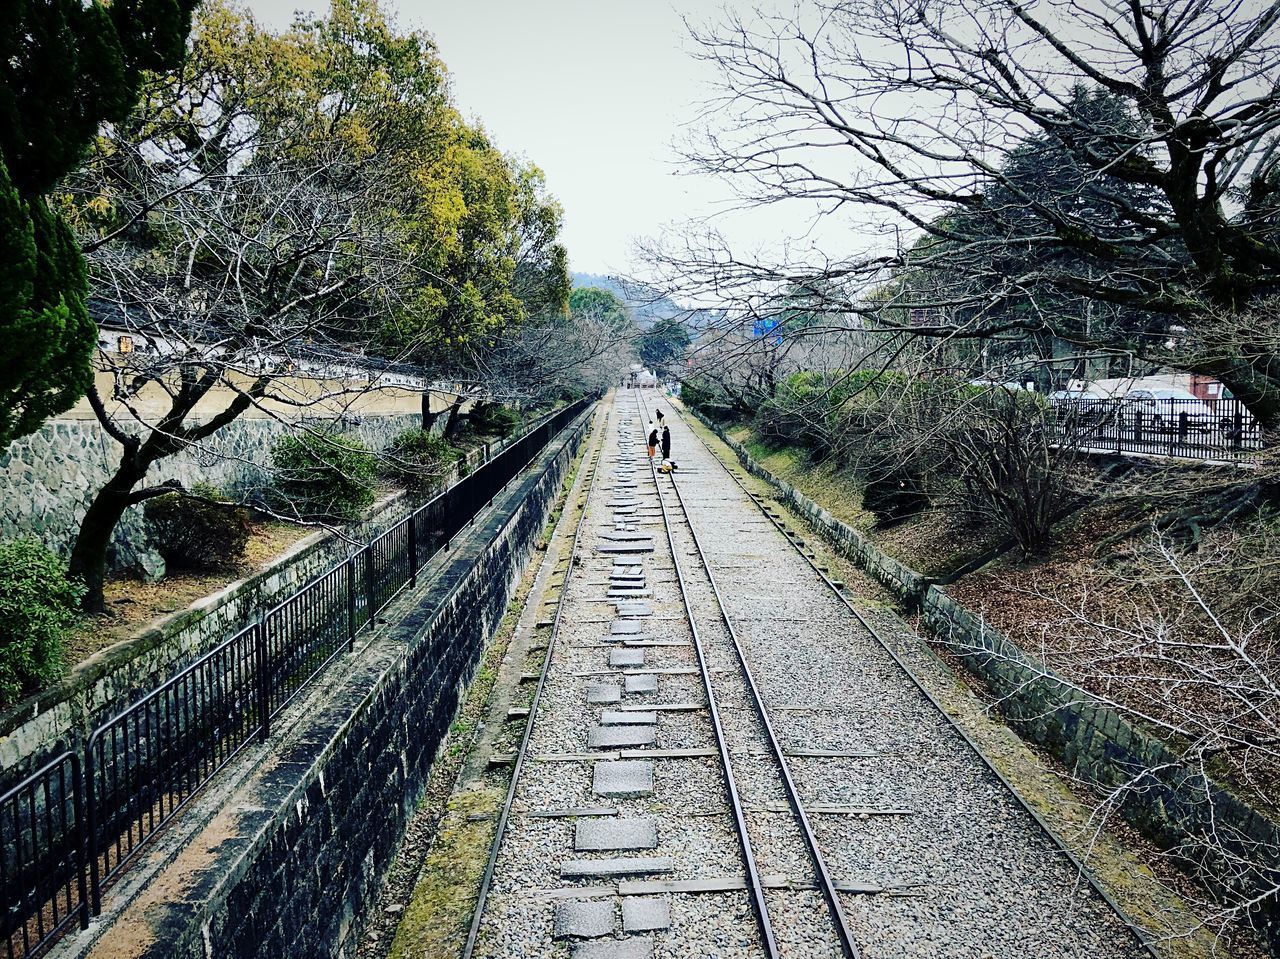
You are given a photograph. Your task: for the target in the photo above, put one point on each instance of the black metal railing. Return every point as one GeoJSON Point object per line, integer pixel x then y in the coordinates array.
{"type": "Point", "coordinates": [146, 763]}
{"type": "Point", "coordinates": [1191, 428]}
{"type": "Point", "coordinates": [70, 828]}
{"type": "Point", "coordinates": [42, 874]}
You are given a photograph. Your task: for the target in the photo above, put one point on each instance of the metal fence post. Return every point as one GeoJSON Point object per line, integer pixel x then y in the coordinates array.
{"type": "Point", "coordinates": [264, 679]}
{"type": "Point", "coordinates": [413, 550]}
{"type": "Point", "coordinates": [79, 803]}
{"type": "Point", "coordinates": [91, 828]}
{"type": "Point", "coordinates": [369, 590]}
{"type": "Point", "coordinates": [1237, 429]}
{"type": "Point", "coordinates": [351, 602]}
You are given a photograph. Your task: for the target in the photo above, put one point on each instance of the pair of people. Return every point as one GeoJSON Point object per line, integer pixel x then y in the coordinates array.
{"type": "Point", "coordinates": [665, 439]}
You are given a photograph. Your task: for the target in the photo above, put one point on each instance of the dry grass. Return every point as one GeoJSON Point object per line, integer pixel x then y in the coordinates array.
{"type": "Point", "coordinates": [933, 542]}
{"type": "Point", "coordinates": [132, 603]}
{"type": "Point", "coordinates": [1115, 620]}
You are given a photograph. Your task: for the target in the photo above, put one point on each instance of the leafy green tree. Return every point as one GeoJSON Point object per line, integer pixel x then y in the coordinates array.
{"type": "Point", "coordinates": [600, 303]}
{"type": "Point", "coordinates": [284, 198]}
{"type": "Point", "coordinates": [65, 67]}
{"type": "Point", "coordinates": [542, 281]}
{"type": "Point", "coordinates": [664, 344]}
{"type": "Point", "coordinates": [486, 263]}
{"type": "Point", "coordinates": [482, 227]}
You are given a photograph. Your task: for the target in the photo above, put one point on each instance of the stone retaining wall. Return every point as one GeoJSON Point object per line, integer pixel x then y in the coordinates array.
{"type": "Point", "coordinates": [48, 479]}
{"type": "Point", "coordinates": [63, 716]}
{"type": "Point", "coordinates": [315, 832]}
{"type": "Point", "coordinates": [1170, 803]}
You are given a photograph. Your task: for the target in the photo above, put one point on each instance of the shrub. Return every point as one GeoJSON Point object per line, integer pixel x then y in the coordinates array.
{"type": "Point", "coordinates": [1009, 469]}
{"type": "Point", "coordinates": [199, 532]}
{"type": "Point", "coordinates": [696, 393]}
{"type": "Point", "coordinates": [494, 419]}
{"type": "Point", "coordinates": [896, 494]}
{"type": "Point", "coordinates": [708, 398]}
{"type": "Point", "coordinates": [418, 461]}
{"type": "Point", "coordinates": [797, 415]}
{"type": "Point", "coordinates": [324, 476]}
{"type": "Point", "coordinates": [38, 604]}
{"type": "Point", "coordinates": [848, 414]}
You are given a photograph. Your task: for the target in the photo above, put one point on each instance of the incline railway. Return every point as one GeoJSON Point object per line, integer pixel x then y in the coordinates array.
{"type": "Point", "coordinates": [723, 759]}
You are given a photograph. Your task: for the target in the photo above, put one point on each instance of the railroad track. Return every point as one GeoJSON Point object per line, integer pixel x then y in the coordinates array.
{"type": "Point", "coordinates": [486, 881]}
{"type": "Point", "coordinates": [726, 883]}
{"type": "Point", "coordinates": [740, 836]}
{"type": "Point", "coordinates": [759, 729]}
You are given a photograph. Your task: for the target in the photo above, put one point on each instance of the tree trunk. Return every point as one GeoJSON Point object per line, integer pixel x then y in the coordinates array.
{"type": "Point", "coordinates": [89, 555]}
{"type": "Point", "coordinates": [429, 417]}
{"type": "Point", "coordinates": [451, 423]}
{"type": "Point", "coordinates": [1259, 393]}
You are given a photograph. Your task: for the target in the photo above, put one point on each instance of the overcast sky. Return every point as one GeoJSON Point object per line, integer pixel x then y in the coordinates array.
{"type": "Point", "coordinates": [593, 91]}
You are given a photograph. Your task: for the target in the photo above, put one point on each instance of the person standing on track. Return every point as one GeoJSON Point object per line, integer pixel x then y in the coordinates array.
{"type": "Point", "coordinates": [666, 442]}
{"type": "Point", "coordinates": [653, 441]}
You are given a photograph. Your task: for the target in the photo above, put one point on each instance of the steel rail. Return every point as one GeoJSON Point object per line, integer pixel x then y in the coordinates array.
{"type": "Point", "coordinates": [825, 883]}
{"type": "Point", "coordinates": [486, 881]}
{"type": "Point", "coordinates": [1143, 937]}
{"type": "Point", "coordinates": [759, 906]}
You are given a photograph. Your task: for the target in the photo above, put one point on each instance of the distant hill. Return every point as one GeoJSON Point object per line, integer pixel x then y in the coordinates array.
{"type": "Point", "coordinates": [647, 305]}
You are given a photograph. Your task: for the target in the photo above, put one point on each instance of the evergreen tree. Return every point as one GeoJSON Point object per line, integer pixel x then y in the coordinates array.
{"type": "Point", "coordinates": [65, 67]}
{"type": "Point", "coordinates": [602, 304]}
{"type": "Point", "coordinates": [662, 347]}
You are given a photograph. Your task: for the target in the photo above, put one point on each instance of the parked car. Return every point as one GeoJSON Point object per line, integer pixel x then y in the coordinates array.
{"type": "Point", "coordinates": [1074, 398]}
{"type": "Point", "coordinates": [1162, 409]}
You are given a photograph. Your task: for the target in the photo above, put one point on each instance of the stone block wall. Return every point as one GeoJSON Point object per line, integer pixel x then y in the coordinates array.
{"type": "Point", "coordinates": [318, 832]}
{"type": "Point", "coordinates": [48, 479]}
{"type": "Point", "coordinates": [1172, 804]}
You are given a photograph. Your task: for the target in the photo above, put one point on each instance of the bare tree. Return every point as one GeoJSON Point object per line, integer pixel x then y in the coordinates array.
{"type": "Point", "coordinates": [237, 238]}
{"type": "Point", "coordinates": [1183, 645]}
{"type": "Point", "coordinates": [554, 354]}
{"type": "Point", "coordinates": [1098, 171]}
{"type": "Point", "coordinates": [257, 268]}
